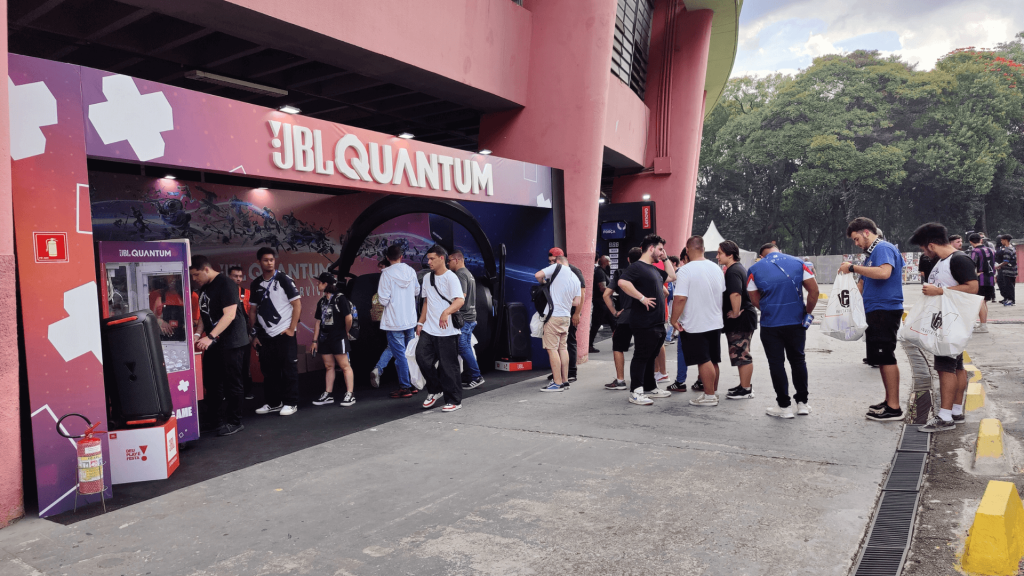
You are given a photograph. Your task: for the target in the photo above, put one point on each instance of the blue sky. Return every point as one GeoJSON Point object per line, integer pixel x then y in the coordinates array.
{"type": "Point", "coordinates": [786, 35]}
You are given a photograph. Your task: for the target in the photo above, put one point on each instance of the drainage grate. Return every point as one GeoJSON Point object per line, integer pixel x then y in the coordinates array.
{"type": "Point", "coordinates": [880, 562]}
{"type": "Point", "coordinates": [906, 472]}
{"type": "Point", "coordinates": [914, 441]}
{"type": "Point", "coordinates": [893, 520]}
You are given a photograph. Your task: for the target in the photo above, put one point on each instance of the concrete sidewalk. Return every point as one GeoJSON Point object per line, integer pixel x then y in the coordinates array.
{"type": "Point", "coordinates": [523, 482]}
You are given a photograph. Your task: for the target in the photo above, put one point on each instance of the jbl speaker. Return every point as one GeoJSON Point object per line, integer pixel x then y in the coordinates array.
{"type": "Point", "coordinates": [514, 340]}
{"type": "Point", "coordinates": [134, 373]}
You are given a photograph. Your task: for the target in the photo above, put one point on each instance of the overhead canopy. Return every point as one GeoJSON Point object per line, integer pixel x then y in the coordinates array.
{"type": "Point", "coordinates": [712, 238]}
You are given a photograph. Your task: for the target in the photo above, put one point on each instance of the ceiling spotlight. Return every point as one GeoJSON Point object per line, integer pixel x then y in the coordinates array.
{"type": "Point", "coordinates": [170, 177]}
{"type": "Point", "coordinates": [234, 83]}
{"type": "Point", "coordinates": [289, 109]}
{"type": "Point", "coordinates": [647, 197]}
{"type": "Point", "coordinates": [485, 152]}
{"type": "Point", "coordinates": [262, 188]}
{"type": "Point", "coordinates": [406, 135]}
{"type": "Point", "coordinates": [600, 201]}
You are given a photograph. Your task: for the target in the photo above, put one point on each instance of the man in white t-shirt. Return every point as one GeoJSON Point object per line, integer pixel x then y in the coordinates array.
{"type": "Point", "coordinates": [697, 314]}
{"type": "Point", "coordinates": [564, 291]}
{"type": "Point", "coordinates": [438, 336]}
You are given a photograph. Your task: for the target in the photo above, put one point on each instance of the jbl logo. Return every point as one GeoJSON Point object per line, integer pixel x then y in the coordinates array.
{"type": "Point", "coordinates": [844, 298]}
{"type": "Point", "coordinates": [936, 320]}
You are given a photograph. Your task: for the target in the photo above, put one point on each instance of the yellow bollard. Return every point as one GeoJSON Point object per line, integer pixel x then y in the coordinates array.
{"type": "Point", "coordinates": [975, 396]}
{"type": "Point", "coordinates": [995, 543]}
{"type": "Point", "coordinates": [990, 439]}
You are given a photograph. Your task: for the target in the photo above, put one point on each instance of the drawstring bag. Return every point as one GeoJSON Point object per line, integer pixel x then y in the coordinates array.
{"type": "Point", "coordinates": [943, 324]}
{"type": "Point", "coordinates": [376, 309]}
{"type": "Point", "coordinates": [415, 376]}
{"type": "Point", "coordinates": [844, 317]}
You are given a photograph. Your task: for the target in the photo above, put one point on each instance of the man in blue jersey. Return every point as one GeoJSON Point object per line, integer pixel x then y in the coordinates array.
{"type": "Point", "coordinates": [881, 283]}
{"type": "Point", "coordinates": [775, 284]}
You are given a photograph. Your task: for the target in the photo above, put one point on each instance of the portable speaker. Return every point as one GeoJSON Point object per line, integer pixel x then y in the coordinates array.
{"type": "Point", "coordinates": [134, 373]}
{"type": "Point", "coordinates": [514, 340]}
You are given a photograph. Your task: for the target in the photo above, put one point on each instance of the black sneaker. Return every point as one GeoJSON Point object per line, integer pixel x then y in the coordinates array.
{"type": "Point", "coordinates": [594, 350]}
{"type": "Point", "coordinates": [616, 385]}
{"type": "Point", "coordinates": [876, 408]}
{"type": "Point", "coordinates": [959, 418]}
{"type": "Point", "coordinates": [937, 425]}
{"type": "Point", "coordinates": [741, 393]}
{"type": "Point", "coordinates": [571, 379]}
{"type": "Point", "coordinates": [886, 415]}
{"type": "Point", "coordinates": [348, 400]}
{"type": "Point", "coordinates": [473, 383]}
{"type": "Point", "coordinates": [869, 363]}
{"type": "Point", "coordinates": [676, 386]}
{"type": "Point", "coordinates": [698, 386]}
{"type": "Point", "coordinates": [229, 429]}
{"type": "Point", "coordinates": [324, 398]}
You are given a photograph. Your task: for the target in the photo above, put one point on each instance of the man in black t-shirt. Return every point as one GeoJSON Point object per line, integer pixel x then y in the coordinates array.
{"type": "Point", "coordinates": [622, 334]}
{"type": "Point", "coordinates": [1006, 270]}
{"type": "Point", "coordinates": [600, 313]}
{"type": "Point", "coordinates": [953, 270]}
{"type": "Point", "coordinates": [739, 318]}
{"type": "Point", "coordinates": [223, 345]}
{"type": "Point", "coordinates": [645, 284]}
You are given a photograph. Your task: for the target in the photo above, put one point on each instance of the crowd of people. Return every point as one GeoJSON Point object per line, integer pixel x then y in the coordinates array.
{"type": "Point", "coordinates": [653, 302]}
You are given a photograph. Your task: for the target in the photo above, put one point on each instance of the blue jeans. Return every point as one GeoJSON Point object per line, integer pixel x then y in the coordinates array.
{"type": "Point", "coordinates": [397, 341]}
{"type": "Point", "coordinates": [680, 361]}
{"type": "Point", "coordinates": [466, 350]}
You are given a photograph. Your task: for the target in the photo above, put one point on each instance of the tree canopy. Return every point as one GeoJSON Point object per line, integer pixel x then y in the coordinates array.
{"type": "Point", "coordinates": [794, 158]}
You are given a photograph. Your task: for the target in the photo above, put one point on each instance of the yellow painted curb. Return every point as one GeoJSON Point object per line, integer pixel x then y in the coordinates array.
{"type": "Point", "coordinates": [990, 439]}
{"type": "Point", "coordinates": [975, 396]}
{"type": "Point", "coordinates": [967, 358]}
{"type": "Point", "coordinates": [975, 373]}
{"type": "Point", "coordinates": [822, 296]}
{"type": "Point", "coordinates": [995, 544]}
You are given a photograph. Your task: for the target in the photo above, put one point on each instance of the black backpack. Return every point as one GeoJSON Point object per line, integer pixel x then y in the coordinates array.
{"type": "Point", "coordinates": [540, 295]}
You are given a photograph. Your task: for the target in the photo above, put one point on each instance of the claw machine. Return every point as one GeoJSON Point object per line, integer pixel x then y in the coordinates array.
{"type": "Point", "coordinates": [154, 276]}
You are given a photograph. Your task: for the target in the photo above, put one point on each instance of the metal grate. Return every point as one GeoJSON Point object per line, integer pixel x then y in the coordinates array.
{"type": "Point", "coordinates": [906, 472]}
{"type": "Point", "coordinates": [893, 521]}
{"type": "Point", "coordinates": [880, 562]}
{"type": "Point", "coordinates": [631, 43]}
{"type": "Point", "coordinates": [914, 441]}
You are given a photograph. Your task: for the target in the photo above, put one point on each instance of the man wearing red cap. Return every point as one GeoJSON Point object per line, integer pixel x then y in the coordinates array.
{"type": "Point", "coordinates": [576, 310]}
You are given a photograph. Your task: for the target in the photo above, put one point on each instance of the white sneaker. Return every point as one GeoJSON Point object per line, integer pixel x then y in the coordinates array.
{"type": "Point", "coordinates": [658, 377]}
{"type": "Point", "coordinates": [778, 412]}
{"type": "Point", "coordinates": [267, 409]}
{"type": "Point", "coordinates": [375, 377]}
{"type": "Point", "coordinates": [640, 399]}
{"type": "Point", "coordinates": [803, 409]}
{"type": "Point", "coordinates": [704, 400]}
{"type": "Point", "coordinates": [432, 399]}
{"type": "Point", "coordinates": [981, 329]}
{"type": "Point", "coordinates": [657, 393]}
{"type": "Point", "coordinates": [289, 410]}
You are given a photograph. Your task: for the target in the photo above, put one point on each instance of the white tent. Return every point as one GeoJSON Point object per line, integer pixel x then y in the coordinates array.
{"type": "Point", "coordinates": [712, 238]}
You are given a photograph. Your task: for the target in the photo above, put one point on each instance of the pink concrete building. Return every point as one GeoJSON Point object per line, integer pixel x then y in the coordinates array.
{"type": "Point", "coordinates": [605, 90]}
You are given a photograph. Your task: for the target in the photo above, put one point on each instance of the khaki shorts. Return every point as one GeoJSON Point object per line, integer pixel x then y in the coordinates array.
{"type": "Point", "coordinates": [556, 333]}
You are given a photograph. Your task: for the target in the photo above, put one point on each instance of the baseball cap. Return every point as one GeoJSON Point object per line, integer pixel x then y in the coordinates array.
{"type": "Point", "coordinates": [556, 252]}
{"type": "Point", "coordinates": [327, 278]}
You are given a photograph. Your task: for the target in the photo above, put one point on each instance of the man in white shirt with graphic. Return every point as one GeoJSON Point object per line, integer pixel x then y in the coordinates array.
{"type": "Point", "coordinates": [274, 315]}
{"type": "Point", "coordinates": [564, 291]}
{"type": "Point", "coordinates": [697, 314]}
{"type": "Point", "coordinates": [439, 338]}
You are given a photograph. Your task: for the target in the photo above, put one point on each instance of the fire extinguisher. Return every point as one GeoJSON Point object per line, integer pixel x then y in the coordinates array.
{"type": "Point", "coordinates": [90, 460]}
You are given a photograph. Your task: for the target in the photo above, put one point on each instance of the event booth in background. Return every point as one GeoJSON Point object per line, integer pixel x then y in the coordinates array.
{"type": "Point", "coordinates": [135, 165]}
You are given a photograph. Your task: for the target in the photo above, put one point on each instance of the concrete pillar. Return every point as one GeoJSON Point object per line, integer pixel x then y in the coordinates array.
{"type": "Point", "coordinates": [675, 96]}
{"type": "Point", "coordinates": [12, 504]}
{"type": "Point", "coordinates": [563, 122]}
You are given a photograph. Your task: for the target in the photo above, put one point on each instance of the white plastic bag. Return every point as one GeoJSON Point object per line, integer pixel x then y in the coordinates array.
{"type": "Point", "coordinates": [414, 369]}
{"type": "Point", "coordinates": [536, 326]}
{"type": "Point", "coordinates": [844, 317]}
{"type": "Point", "coordinates": [943, 324]}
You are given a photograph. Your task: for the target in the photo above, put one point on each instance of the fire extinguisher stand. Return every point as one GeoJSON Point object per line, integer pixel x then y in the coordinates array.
{"type": "Point", "coordinates": [90, 460]}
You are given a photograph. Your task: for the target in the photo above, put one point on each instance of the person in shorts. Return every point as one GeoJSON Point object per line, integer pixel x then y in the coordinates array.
{"type": "Point", "coordinates": [563, 296]}
{"type": "Point", "coordinates": [985, 263]}
{"type": "Point", "coordinates": [697, 314]}
{"type": "Point", "coordinates": [881, 284]}
{"type": "Point", "coordinates": [622, 334]}
{"type": "Point", "coordinates": [333, 320]}
{"type": "Point", "coordinates": [954, 270]}
{"type": "Point", "coordinates": [739, 318]}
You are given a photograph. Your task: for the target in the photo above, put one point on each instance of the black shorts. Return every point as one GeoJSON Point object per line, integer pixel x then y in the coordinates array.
{"type": "Point", "coordinates": [880, 336]}
{"type": "Point", "coordinates": [701, 347]}
{"type": "Point", "coordinates": [334, 346]}
{"type": "Point", "coordinates": [621, 337]}
{"type": "Point", "coordinates": [989, 292]}
{"type": "Point", "coordinates": [948, 364]}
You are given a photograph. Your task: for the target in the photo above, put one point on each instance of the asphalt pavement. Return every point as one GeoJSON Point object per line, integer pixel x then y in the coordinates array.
{"type": "Point", "coordinates": [525, 482]}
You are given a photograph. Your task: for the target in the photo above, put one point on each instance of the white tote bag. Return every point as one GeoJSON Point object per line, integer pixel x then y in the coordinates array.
{"type": "Point", "coordinates": [414, 369]}
{"type": "Point", "coordinates": [943, 324]}
{"type": "Point", "coordinates": [536, 326]}
{"type": "Point", "coordinates": [844, 317]}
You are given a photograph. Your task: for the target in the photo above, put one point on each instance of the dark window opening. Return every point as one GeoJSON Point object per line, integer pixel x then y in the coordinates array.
{"type": "Point", "coordinates": [632, 43]}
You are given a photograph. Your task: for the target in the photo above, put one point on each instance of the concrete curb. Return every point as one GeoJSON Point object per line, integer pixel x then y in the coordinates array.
{"type": "Point", "coordinates": [995, 543]}
{"type": "Point", "coordinates": [975, 397]}
{"type": "Point", "coordinates": [990, 440]}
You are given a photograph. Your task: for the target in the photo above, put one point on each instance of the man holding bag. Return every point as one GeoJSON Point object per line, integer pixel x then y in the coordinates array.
{"type": "Point", "coordinates": [953, 270]}
{"type": "Point", "coordinates": [881, 284]}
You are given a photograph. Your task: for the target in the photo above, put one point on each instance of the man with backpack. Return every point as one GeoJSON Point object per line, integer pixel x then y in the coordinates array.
{"type": "Point", "coordinates": [438, 329]}
{"type": "Point", "coordinates": [985, 264]}
{"type": "Point", "coordinates": [1007, 267]}
{"type": "Point", "coordinates": [563, 293]}
{"type": "Point", "coordinates": [276, 305]}
{"type": "Point", "coordinates": [576, 311]}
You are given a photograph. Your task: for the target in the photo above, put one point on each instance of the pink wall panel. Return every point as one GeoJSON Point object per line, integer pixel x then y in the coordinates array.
{"type": "Point", "coordinates": [626, 122]}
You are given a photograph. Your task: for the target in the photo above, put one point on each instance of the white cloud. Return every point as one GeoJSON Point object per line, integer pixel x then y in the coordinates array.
{"type": "Point", "coordinates": [776, 34]}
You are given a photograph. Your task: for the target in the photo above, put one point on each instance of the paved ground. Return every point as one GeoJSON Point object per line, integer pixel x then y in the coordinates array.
{"type": "Point", "coordinates": [953, 489]}
{"type": "Point", "coordinates": [521, 482]}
